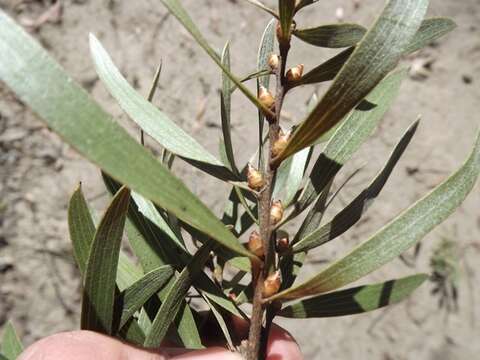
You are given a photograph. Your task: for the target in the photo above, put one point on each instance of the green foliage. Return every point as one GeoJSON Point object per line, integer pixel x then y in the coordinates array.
{"type": "Point", "coordinates": [164, 221]}
{"type": "Point", "coordinates": [10, 346]}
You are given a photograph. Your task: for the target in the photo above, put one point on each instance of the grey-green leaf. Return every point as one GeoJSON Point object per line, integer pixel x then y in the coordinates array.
{"type": "Point", "coordinates": [171, 305]}
{"type": "Point", "coordinates": [353, 212]}
{"type": "Point", "coordinates": [101, 271]}
{"type": "Point", "coordinates": [69, 111]}
{"type": "Point", "coordinates": [356, 300]}
{"type": "Point", "coordinates": [136, 295]}
{"type": "Point", "coordinates": [368, 64]}
{"type": "Point", "coordinates": [332, 35]}
{"type": "Point", "coordinates": [81, 227]}
{"type": "Point", "coordinates": [150, 119]}
{"type": "Point", "coordinates": [11, 346]}
{"type": "Point", "coordinates": [351, 134]}
{"type": "Point", "coordinates": [430, 30]}
{"type": "Point", "coordinates": [398, 235]}
{"type": "Point", "coordinates": [225, 110]}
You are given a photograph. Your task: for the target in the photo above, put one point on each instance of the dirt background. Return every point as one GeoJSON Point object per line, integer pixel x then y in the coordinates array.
{"type": "Point", "coordinates": [39, 285]}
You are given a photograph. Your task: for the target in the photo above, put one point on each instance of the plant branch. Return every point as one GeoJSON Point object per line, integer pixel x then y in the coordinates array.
{"type": "Point", "coordinates": [257, 342]}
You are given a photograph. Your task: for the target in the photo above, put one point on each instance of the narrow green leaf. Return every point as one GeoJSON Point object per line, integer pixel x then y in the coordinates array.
{"type": "Point", "coordinates": [69, 111]}
{"type": "Point", "coordinates": [263, 7]}
{"type": "Point", "coordinates": [178, 291]}
{"type": "Point", "coordinates": [187, 327]}
{"type": "Point", "coordinates": [286, 10]}
{"type": "Point", "coordinates": [332, 35]}
{"type": "Point", "coordinates": [101, 270]}
{"type": "Point", "coordinates": [302, 3]}
{"type": "Point", "coordinates": [132, 333]}
{"type": "Point", "coordinates": [150, 119]}
{"type": "Point", "coordinates": [351, 134]}
{"type": "Point", "coordinates": [397, 236]}
{"type": "Point", "coordinates": [290, 176]}
{"type": "Point", "coordinates": [368, 64]}
{"type": "Point", "coordinates": [327, 70]}
{"type": "Point", "coordinates": [290, 264]}
{"type": "Point", "coordinates": [136, 295]}
{"type": "Point", "coordinates": [355, 300]}
{"type": "Point", "coordinates": [179, 12]}
{"type": "Point", "coordinates": [265, 49]}
{"type": "Point", "coordinates": [225, 107]}
{"type": "Point", "coordinates": [430, 30]}
{"type": "Point", "coordinates": [81, 228]}
{"type": "Point", "coordinates": [11, 346]}
{"type": "Point", "coordinates": [353, 212]}
{"type": "Point", "coordinates": [153, 245]}
{"type": "Point", "coordinates": [217, 313]}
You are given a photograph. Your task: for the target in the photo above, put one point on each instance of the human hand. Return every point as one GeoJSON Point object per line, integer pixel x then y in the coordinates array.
{"type": "Point", "coordinates": [87, 345]}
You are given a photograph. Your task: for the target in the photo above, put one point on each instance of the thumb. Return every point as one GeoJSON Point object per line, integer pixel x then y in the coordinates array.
{"type": "Point", "coordinates": [88, 345]}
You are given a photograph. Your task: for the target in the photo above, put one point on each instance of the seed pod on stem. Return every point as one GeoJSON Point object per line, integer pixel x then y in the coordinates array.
{"type": "Point", "coordinates": [276, 212]}
{"type": "Point", "coordinates": [281, 143]}
{"type": "Point", "coordinates": [254, 178]}
{"type": "Point", "coordinates": [294, 74]}
{"type": "Point", "coordinates": [266, 97]}
{"type": "Point", "coordinates": [281, 37]}
{"type": "Point", "coordinates": [272, 284]}
{"type": "Point", "coordinates": [255, 244]}
{"type": "Point", "coordinates": [283, 243]}
{"type": "Point", "coordinates": [273, 61]}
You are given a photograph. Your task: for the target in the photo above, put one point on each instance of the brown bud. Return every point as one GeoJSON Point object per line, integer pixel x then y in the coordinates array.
{"type": "Point", "coordinates": [271, 285]}
{"type": "Point", "coordinates": [281, 143]}
{"type": "Point", "coordinates": [281, 37]}
{"type": "Point", "coordinates": [255, 244]}
{"type": "Point", "coordinates": [283, 243]}
{"type": "Point", "coordinates": [232, 296]}
{"type": "Point", "coordinates": [254, 178]}
{"type": "Point", "coordinates": [273, 61]}
{"type": "Point", "coordinates": [276, 212]}
{"type": "Point", "coordinates": [295, 73]}
{"type": "Point", "coordinates": [265, 97]}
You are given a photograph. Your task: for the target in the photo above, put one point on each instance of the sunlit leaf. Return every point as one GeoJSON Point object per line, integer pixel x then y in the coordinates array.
{"type": "Point", "coordinates": [81, 227]}
{"type": "Point", "coordinates": [369, 63]}
{"type": "Point", "coordinates": [398, 235]}
{"type": "Point", "coordinates": [332, 36]}
{"type": "Point", "coordinates": [101, 270]}
{"type": "Point", "coordinates": [430, 30]}
{"type": "Point", "coordinates": [225, 107]}
{"type": "Point", "coordinates": [351, 134]}
{"type": "Point", "coordinates": [355, 300]}
{"type": "Point", "coordinates": [11, 346]}
{"type": "Point", "coordinates": [353, 212]}
{"type": "Point", "coordinates": [265, 49]}
{"type": "Point", "coordinates": [83, 124]}
{"type": "Point", "coordinates": [290, 176]}
{"type": "Point", "coordinates": [150, 119]}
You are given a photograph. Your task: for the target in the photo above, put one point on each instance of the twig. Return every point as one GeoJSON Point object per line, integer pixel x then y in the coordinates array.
{"type": "Point", "coordinates": [256, 341]}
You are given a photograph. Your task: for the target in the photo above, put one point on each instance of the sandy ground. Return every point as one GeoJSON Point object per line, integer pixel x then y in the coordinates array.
{"type": "Point", "coordinates": [39, 285]}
